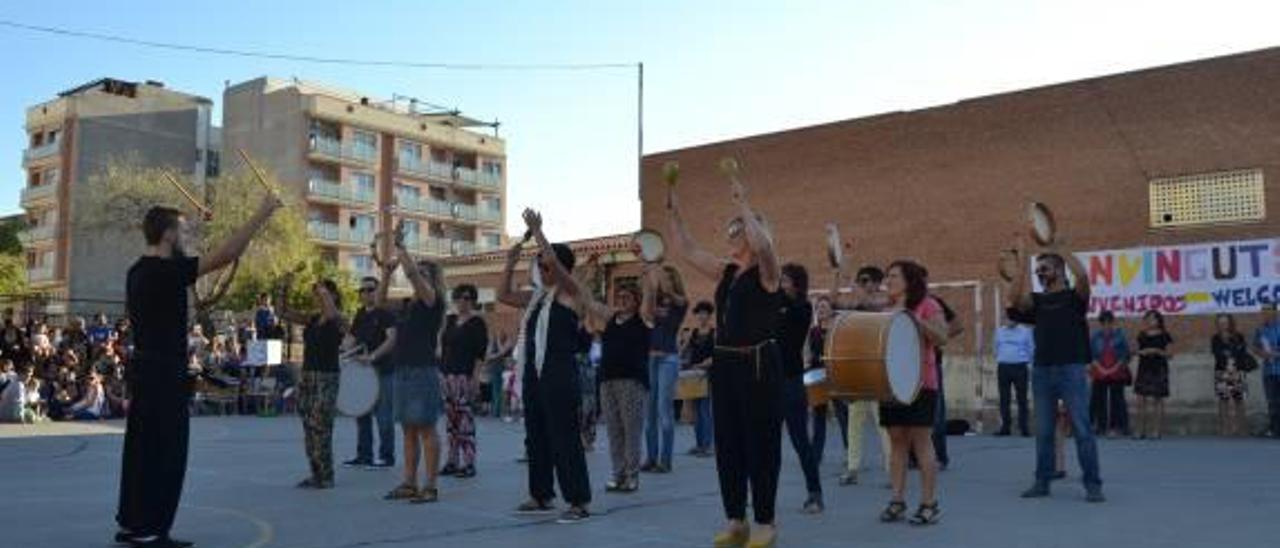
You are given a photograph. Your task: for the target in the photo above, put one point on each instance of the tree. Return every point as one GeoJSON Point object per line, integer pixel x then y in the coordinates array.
{"type": "Point", "coordinates": [115, 201]}
{"type": "Point", "coordinates": [13, 274]}
{"type": "Point", "coordinates": [10, 244]}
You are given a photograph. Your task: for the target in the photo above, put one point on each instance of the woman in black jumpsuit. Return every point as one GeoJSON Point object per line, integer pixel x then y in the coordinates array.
{"type": "Point", "coordinates": [746, 370]}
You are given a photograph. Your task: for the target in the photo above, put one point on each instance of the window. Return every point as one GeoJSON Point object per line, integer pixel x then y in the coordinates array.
{"type": "Point", "coordinates": [411, 231]}
{"type": "Point", "coordinates": [366, 144]}
{"type": "Point", "coordinates": [410, 150]}
{"type": "Point", "coordinates": [362, 263]}
{"type": "Point", "coordinates": [493, 168]}
{"type": "Point", "coordinates": [1207, 199]}
{"type": "Point", "coordinates": [364, 182]}
{"type": "Point", "coordinates": [407, 194]}
{"type": "Point", "coordinates": [492, 240]}
{"type": "Point", "coordinates": [362, 223]}
{"type": "Point", "coordinates": [37, 139]}
{"type": "Point", "coordinates": [53, 137]}
{"type": "Point", "coordinates": [492, 204]}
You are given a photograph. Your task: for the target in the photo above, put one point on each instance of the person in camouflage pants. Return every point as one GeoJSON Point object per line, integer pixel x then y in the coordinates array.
{"type": "Point", "coordinates": [317, 398]}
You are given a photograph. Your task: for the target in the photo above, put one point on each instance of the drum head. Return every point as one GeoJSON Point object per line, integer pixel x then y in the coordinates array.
{"type": "Point", "coordinates": [835, 253]}
{"type": "Point", "coordinates": [815, 376]}
{"type": "Point", "coordinates": [902, 358]}
{"type": "Point", "coordinates": [1043, 228]}
{"type": "Point", "coordinates": [357, 389]}
{"type": "Point", "coordinates": [651, 246]}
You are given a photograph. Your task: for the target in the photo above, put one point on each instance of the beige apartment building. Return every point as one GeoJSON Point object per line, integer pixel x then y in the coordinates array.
{"type": "Point", "coordinates": [70, 139]}
{"type": "Point", "coordinates": [362, 165]}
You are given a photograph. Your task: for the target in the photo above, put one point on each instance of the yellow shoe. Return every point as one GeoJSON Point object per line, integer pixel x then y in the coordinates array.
{"type": "Point", "coordinates": [731, 538]}
{"type": "Point", "coordinates": [763, 537]}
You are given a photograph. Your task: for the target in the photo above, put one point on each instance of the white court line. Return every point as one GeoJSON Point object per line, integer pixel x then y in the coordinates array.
{"type": "Point", "coordinates": [266, 533]}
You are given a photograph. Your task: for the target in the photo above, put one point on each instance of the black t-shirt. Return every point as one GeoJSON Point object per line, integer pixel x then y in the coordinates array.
{"type": "Point", "coordinates": [795, 317]}
{"type": "Point", "coordinates": [156, 302]}
{"type": "Point", "coordinates": [702, 345]}
{"type": "Point", "coordinates": [369, 328]}
{"type": "Point", "coordinates": [624, 350]}
{"type": "Point", "coordinates": [322, 344]}
{"type": "Point", "coordinates": [464, 345]}
{"type": "Point", "coordinates": [416, 334]}
{"type": "Point", "coordinates": [1061, 328]}
{"type": "Point", "coordinates": [746, 314]}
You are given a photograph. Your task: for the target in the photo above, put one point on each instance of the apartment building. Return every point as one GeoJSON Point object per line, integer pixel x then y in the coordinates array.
{"type": "Point", "coordinates": [71, 138]}
{"type": "Point", "coordinates": [362, 165]}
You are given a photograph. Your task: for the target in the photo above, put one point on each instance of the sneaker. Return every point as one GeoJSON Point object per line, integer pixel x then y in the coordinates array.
{"type": "Point", "coordinates": [649, 467]}
{"type": "Point", "coordinates": [381, 464]}
{"type": "Point", "coordinates": [849, 478]}
{"type": "Point", "coordinates": [575, 514]}
{"type": "Point", "coordinates": [813, 505]}
{"type": "Point", "coordinates": [449, 470]}
{"type": "Point", "coordinates": [662, 469]}
{"type": "Point", "coordinates": [466, 472]}
{"type": "Point", "coordinates": [357, 463]}
{"type": "Point", "coordinates": [1094, 494]}
{"type": "Point", "coordinates": [614, 485]}
{"type": "Point", "coordinates": [1039, 490]}
{"type": "Point", "coordinates": [160, 542]}
{"type": "Point", "coordinates": [535, 507]}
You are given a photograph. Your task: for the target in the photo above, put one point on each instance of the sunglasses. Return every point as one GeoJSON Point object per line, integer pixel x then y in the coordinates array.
{"type": "Point", "coordinates": [367, 289]}
{"type": "Point", "coordinates": [864, 280]}
{"type": "Point", "coordinates": [1043, 270]}
{"type": "Point", "coordinates": [464, 298]}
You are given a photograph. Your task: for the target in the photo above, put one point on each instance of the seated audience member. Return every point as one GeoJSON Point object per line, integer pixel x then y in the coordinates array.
{"type": "Point", "coordinates": [93, 403]}
{"type": "Point", "coordinates": [12, 393]}
{"type": "Point", "coordinates": [116, 391]}
{"type": "Point", "coordinates": [34, 406]}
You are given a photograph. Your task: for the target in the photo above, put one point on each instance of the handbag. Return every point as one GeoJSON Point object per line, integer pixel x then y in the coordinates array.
{"type": "Point", "coordinates": [1246, 362]}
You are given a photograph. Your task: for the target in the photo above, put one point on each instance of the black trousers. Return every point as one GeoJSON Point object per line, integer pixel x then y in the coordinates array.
{"type": "Point", "coordinates": [1011, 379]}
{"type": "Point", "coordinates": [155, 457]}
{"type": "Point", "coordinates": [1108, 409]}
{"type": "Point", "coordinates": [746, 407]}
{"type": "Point", "coordinates": [553, 439]}
{"type": "Point", "coordinates": [795, 401]}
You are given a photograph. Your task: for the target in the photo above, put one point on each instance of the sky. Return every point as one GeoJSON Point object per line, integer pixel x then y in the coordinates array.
{"type": "Point", "coordinates": [713, 70]}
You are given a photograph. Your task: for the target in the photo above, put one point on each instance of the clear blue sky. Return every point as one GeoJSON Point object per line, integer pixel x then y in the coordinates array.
{"type": "Point", "coordinates": [714, 70]}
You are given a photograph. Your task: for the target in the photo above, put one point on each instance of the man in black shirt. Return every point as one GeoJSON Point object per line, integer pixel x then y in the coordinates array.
{"type": "Point", "coordinates": [1059, 314]}
{"type": "Point", "coordinates": [155, 442]}
{"type": "Point", "coordinates": [374, 330]}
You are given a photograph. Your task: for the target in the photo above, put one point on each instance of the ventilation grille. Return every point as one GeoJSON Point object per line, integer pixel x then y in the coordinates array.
{"type": "Point", "coordinates": [1224, 197]}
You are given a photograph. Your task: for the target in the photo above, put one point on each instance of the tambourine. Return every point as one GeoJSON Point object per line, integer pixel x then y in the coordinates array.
{"type": "Point", "coordinates": [1007, 271]}
{"type": "Point", "coordinates": [729, 167]}
{"type": "Point", "coordinates": [1044, 230]}
{"type": "Point", "coordinates": [651, 245]}
{"type": "Point", "coordinates": [671, 172]}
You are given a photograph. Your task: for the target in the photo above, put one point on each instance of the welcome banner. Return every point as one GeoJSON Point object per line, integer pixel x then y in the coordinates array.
{"type": "Point", "coordinates": [1203, 278]}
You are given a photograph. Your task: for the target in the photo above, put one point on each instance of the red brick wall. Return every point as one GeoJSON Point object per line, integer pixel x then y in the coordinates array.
{"type": "Point", "coordinates": [947, 186]}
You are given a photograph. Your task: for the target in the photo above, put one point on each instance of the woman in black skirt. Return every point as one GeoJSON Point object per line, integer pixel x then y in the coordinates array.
{"type": "Point", "coordinates": [746, 370]}
{"type": "Point", "coordinates": [910, 426]}
{"type": "Point", "coordinates": [1152, 383]}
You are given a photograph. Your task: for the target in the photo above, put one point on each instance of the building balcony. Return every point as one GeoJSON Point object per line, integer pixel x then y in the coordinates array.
{"type": "Point", "coordinates": [463, 247]}
{"type": "Point", "coordinates": [37, 234]}
{"type": "Point", "coordinates": [429, 246]}
{"type": "Point", "coordinates": [41, 152]}
{"type": "Point", "coordinates": [40, 274]}
{"type": "Point", "coordinates": [335, 192]}
{"type": "Point", "coordinates": [489, 181]}
{"type": "Point", "coordinates": [334, 234]}
{"type": "Point", "coordinates": [424, 206]}
{"type": "Point", "coordinates": [415, 167]}
{"type": "Point", "coordinates": [41, 193]}
{"type": "Point", "coordinates": [489, 216]}
{"type": "Point", "coordinates": [337, 150]}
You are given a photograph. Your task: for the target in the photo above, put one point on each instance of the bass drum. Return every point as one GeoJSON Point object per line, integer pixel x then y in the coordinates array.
{"type": "Point", "coordinates": [874, 356]}
{"type": "Point", "coordinates": [357, 388]}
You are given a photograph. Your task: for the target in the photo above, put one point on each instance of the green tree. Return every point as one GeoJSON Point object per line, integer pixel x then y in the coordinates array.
{"type": "Point", "coordinates": [9, 242]}
{"type": "Point", "coordinates": [117, 199]}
{"type": "Point", "coordinates": [13, 274]}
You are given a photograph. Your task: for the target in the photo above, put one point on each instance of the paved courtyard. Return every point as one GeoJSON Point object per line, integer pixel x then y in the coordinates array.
{"type": "Point", "coordinates": [59, 486]}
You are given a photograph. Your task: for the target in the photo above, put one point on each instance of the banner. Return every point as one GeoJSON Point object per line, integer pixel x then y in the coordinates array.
{"type": "Point", "coordinates": [1206, 278]}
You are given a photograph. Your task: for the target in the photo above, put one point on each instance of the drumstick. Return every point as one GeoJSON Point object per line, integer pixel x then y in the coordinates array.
{"type": "Point", "coordinates": [257, 174]}
{"type": "Point", "coordinates": [203, 210]}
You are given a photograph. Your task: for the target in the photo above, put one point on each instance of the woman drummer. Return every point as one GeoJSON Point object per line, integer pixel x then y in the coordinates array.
{"type": "Point", "coordinates": [910, 425]}
{"type": "Point", "coordinates": [318, 389]}
{"type": "Point", "coordinates": [746, 371]}
{"type": "Point", "coordinates": [551, 391]}
{"type": "Point", "coordinates": [795, 319]}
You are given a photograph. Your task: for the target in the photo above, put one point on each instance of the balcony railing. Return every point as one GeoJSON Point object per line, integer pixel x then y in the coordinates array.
{"type": "Point", "coordinates": [333, 233]}
{"type": "Point", "coordinates": [35, 153]}
{"type": "Point", "coordinates": [491, 181]}
{"type": "Point", "coordinates": [336, 149]}
{"type": "Point", "coordinates": [36, 234]}
{"type": "Point", "coordinates": [463, 247]}
{"type": "Point", "coordinates": [428, 206]}
{"type": "Point", "coordinates": [488, 215]}
{"type": "Point", "coordinates": [41, 192]}
{"type": "Point", "coordinates": [429, 168]}
{"type": "Point", "coordinates": [430, 246]}
{"type": "Point", "coordinates": [40, 274]}
{"type": "Point", "coordinates": [333, 190]}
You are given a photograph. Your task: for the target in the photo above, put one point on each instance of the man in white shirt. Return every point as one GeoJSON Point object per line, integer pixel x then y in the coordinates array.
{"type": "Point", "coordinates": [1014, 347]}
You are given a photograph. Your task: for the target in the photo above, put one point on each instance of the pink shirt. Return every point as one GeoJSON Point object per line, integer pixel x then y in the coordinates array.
{"type": "Point", "coordinates": [926, 311]}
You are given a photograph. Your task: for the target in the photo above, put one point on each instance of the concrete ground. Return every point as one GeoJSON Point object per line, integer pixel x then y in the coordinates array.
{"type": "Point", "coordinates": [59, 482]}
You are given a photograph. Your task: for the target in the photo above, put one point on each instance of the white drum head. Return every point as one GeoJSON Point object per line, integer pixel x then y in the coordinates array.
{"type": "Point", "coordinates": [357, 389]}
{"type": "Point", "coordinates": [651, 246]}
{"type": "Point", "coordinates": [815, 376]}
{"type": "Point", "coordinates": [1043, 228]}
{"type": "Point", "coordinates": [902, 358]}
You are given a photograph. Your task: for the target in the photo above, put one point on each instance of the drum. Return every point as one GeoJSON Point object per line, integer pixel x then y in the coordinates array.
{"type": "Point", "coordinates": [357, 388]}
{"type": "Point", "coordinates": [650, 245]}
{"type": "Point", "coordinates": [874, 356]}
{"type": "Point", "coordinates": [691, 385]}
{"type": "Point", "coordinates": [1043, 228]}
{"type": "Point", "coordinates": [817, 387]}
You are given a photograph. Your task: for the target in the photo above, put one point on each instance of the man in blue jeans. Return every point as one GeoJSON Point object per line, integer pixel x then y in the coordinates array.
{"type": "Point", "coordinates": [1267, 344]}
{"type": "Point", "coordinates": [373, 328]}
{"type": "Point", "coordinates": [1062, 352]}
{"type": "Point", "coordinates": [664, 369]}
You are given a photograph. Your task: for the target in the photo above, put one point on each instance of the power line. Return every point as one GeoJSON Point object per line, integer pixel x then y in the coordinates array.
{"type": "Point", "coordinates": [311, 58]}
